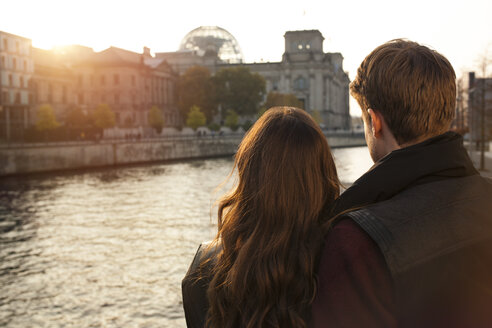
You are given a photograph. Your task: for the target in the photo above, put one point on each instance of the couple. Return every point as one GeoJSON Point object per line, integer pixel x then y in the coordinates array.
{"type": "Point", "coordinates": [409, 244]}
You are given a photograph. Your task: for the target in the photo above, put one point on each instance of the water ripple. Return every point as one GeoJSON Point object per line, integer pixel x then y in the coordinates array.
{"type": "Point", "coordinates": [108, 248]}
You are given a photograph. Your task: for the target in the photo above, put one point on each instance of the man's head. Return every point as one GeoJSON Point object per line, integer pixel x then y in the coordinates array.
{"type": "Point", "coordinates": [410, 87]}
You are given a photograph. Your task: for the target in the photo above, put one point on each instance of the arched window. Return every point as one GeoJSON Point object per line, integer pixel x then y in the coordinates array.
{"type": "Point", "coordinates": [300, 83]}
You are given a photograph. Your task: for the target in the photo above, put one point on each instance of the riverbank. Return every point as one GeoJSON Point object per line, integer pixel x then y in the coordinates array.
{"type": "Point", "coordinates": [19, 159]}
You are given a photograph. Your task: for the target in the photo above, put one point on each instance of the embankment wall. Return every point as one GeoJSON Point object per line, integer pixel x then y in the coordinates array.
{"type": "Point", "coordinates": [42, 157]}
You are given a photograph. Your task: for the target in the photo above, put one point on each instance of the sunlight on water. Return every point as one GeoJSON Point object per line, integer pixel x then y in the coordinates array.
{"type": "Point", "coordinates": [109, 248]}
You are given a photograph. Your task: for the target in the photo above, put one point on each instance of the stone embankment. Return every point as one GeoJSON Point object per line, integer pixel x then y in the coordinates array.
{"type": "Point", "coordinates": [16, 159]}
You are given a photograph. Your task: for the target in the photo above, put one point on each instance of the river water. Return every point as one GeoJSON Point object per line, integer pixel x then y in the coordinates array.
{"type": "Point", "coordinates": [108, 248]}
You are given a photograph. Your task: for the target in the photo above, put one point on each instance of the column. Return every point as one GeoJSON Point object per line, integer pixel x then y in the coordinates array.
{"type": "Point", "coordinates": [7, 123]}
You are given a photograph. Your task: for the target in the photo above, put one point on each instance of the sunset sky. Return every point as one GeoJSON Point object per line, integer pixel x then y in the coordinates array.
{"type": "Point", "coordinates": [461, 30]}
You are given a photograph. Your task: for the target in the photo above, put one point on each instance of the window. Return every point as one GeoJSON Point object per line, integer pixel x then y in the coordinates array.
{"type": "Point", "coordinates": [103, 80]}
{"type": "Point", "coordinates": [17, 47]}
{"type": "Point", "coordinates": [5, 45]}
{"type": "Point", "coordinates": [3, 62]}
{"type": "Point", "coordinates": [11, 80]}
{"type": "Point", "coordinates": [64, 94]}
{"type": "Point", "coordinates": [300, 83]}
{"type": "Point", "coordinates": [50, 92]}
{"type": "Point", "coordinates": [14, 63]}
{"type": "Point", "coordinates": [275, 85]}
{"type": "Point", "coordinates": [25, 65]}
{"type": "Point", "coordinates": [116, 98]}
{"type": "Point", "coordinates": [21, 82]}
{"type": "Point", "coordinates": [5, 97]}
{"type": "Point", "coordinates": [17, 98]}
{"type": "Point", "coordinates": [116, 79]}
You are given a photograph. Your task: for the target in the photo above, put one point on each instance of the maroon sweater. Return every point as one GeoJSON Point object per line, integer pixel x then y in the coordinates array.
{"type": "Point", "coordinates": [355, 286]}
{"type": "Point", "coordinates": [356, 290]}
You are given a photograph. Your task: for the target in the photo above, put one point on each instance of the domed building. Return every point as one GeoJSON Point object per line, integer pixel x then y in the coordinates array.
{"type": "Point", "coordinates": [207, 46]}
{"type": "Point", "coordinates": [213, 40]}
{"type": "Point", "coordinates": [316, 78]}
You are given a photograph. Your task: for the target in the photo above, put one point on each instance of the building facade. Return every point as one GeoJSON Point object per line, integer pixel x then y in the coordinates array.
{"type": "Point", "coordinates": [460, 123]}
{"type": "Point", "coordinates": [479, 107]}
{"type": "Point", "coordinates": [130, 83]}
{"type": "Point", "coordinates": [16, 71]}
{"type": "Point", "coordinates": [77, 77]}
{"type": "Point", "coordinates": [316, 78]}
{"type": "Point", "coordinates": [53, 83]}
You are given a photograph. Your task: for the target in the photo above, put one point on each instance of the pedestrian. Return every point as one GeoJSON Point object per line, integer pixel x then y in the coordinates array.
{"type": "Point", "coordinates": [410, 243]}
{"type": "Point", "coordinates": [260, 269]}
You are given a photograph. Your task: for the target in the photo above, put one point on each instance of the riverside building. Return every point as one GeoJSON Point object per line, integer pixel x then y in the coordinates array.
{"type": "Point", "coordinates": [131, 83]}
{"type": "Point", "coordinates": [16, 70]}
{"type": "Point", "coordinates": [479, 108]}
{"type": "Point", "coordinates": [53, 83]}
{"type": "Point", "coordinates": [315, 77]}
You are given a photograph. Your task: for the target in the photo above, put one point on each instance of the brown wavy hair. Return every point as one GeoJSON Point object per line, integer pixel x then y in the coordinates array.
{"type": "Point", "coordinates": [269, 226]}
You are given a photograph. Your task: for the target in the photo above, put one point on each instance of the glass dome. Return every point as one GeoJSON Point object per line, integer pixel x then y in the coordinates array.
{"type": "Point", "coordinates": [213, 39]}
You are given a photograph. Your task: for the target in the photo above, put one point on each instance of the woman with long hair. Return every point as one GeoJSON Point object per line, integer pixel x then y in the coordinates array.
{"type": "Point", "coordinates": [260, 269]}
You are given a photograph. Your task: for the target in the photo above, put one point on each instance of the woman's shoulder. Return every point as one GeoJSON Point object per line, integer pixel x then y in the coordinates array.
{"type": "Point", "coordinates": [205, 256]}
{"type": "Point", "coordinates": [208, 250]}
{"type": "Point", "coordinates": [195, 283]}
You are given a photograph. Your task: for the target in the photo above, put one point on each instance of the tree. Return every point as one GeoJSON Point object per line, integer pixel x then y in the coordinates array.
{"type": "Point", "coordinates": [282, 99]}
{"type": "Point", "coordinates": [155, 119]}
{"type": "Point", "coordinates": [76, 118]}
{"type": "Point", "coordinates": [232, 120]}
{"type": "Point", "coordinates": [239, 89]}
{"type": "Point", "coordinates": [195, 88]}
{"type": "Point", "coordinates": [46, 120]}
{"type": "Point", "coordinates": [103, 117]}
{"type": "Point", "coordinates": [76, 123]}
{"type": "Point", "coordinates": [247, 125]}
{"type": "Point", "coordinates": [316, 116]}
{"type": "Point", "coordinates": [195, 118]}
{"type": "Point", "coordinates": [214, 127]}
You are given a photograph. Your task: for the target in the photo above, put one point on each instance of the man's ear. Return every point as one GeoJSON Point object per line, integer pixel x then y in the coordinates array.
{"type": "Point", "coordinates": [376, 122]}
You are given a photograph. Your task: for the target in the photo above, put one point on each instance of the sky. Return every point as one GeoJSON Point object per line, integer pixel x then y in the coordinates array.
{"type": "Point", "coordinates": [460, 30]}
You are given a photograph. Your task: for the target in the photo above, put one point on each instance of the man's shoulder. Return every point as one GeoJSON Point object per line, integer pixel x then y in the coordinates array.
{"type": "Point", "coordinates": [348, 246]}
{"type": "Point", "coordinates": [345, 234]}
{"type": "Point", "coordinates": [433, 197]}
{"type": "Point", "coordinates": [351, 273]}
{"type": "Point", "coordinates": [428, 220]}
